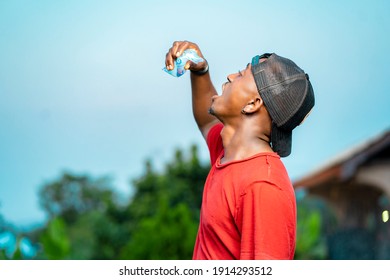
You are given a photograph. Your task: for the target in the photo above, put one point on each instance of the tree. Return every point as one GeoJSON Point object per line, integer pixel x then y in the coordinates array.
{"type": "Point", "coordinates": [73, 195]}
{"type": "Point", "coordinates": [55, 240]}
{"type": "Point", "coordinates": [85, 219]}
{"type": "Point", "coordinates": [170, 234]}
{"type": "Point", "coordinates": [165, 208]}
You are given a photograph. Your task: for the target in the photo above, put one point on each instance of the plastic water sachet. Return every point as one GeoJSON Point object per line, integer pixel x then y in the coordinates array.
{"type": "Point", "coordinates": [178, 67]}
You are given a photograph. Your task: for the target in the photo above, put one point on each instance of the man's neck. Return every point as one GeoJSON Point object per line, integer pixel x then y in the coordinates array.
{"type": "Point", "coordinates": [244, 142]}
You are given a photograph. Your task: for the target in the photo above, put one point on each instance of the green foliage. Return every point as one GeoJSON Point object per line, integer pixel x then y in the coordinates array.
{"type": "Point", "coordinates": [309, 245]}
{"type": "Point", "coordinates": [159, 221]}
{"type": "Point", "coordinates": [170, 234]}
{"type": "Point", "coordinates": [165, 210]}
{"type": "Point", "coordinates": [310, 239]}
{"type": "Point", "coordinates": [86, 215]}
{"type": "Point", "coordinates": [97, 235]}
{"type": "Point", "coordinates": [15, 245]}
{"type": "Point", "coordinates": [73, 195]}
{"type": "Point", "coordinates": [55, 240]}
{"type": "Point", "coordinates": [182, 182]}
{"type": "Point", "coordinates": [17, 254]}
{"type": "Point", "coordinates": [2, 255]}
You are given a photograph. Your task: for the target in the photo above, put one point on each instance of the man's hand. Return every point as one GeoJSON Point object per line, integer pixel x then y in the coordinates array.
{"type": "Point", "coordinates": [177, 49]}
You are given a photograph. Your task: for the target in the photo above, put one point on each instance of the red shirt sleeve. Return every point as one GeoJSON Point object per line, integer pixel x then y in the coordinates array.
{"type": "Point", "coordinates": [267, 221]}
{"type": "Point", "coordinates": [214, 142]}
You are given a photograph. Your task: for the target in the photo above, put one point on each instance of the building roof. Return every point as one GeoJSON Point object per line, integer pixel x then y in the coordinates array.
{"type": "Point", "coordinates": [344, 165]}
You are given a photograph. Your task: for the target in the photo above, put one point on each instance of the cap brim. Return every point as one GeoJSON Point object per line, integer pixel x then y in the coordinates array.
{"type": "Point", "coordinates": [281, 141]}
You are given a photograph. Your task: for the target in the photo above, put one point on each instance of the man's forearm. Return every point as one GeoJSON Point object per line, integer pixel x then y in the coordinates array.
{"type": "Point", "coordinates": [202, 92]}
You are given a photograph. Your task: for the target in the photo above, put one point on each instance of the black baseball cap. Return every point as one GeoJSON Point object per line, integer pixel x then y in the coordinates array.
{"type": "Point", "coordinates": [287, 94]}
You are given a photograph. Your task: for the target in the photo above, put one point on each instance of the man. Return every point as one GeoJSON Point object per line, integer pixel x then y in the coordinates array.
{"type": "Point", "coordinates": [248, 206]}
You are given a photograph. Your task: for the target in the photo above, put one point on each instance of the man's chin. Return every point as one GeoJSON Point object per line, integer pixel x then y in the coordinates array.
{"type": "Point", "coordinates": [213, 113]}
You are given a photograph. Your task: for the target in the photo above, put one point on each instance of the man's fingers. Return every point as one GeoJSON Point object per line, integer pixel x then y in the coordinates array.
{"type": "Point", "coordinates": [189, 63]}
{"type": "Point", "coordinates": [181, 48]}
{"type": "Point", "coordinates": [172, 55]}
{"type": "Point", "coordinates": [174, 48]}
{"type": "Point", "coordinates": [169, 61]}
{"type": "Point", "coordinates": [177, 49]}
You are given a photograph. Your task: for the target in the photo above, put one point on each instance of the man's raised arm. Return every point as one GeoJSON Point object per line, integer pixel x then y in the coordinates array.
{"type": "Point", "coordinates": [201, 85]}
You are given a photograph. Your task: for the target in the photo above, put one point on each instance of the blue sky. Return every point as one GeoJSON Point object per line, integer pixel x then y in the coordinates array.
{"type": "Point", "coordinates": [82, 90]}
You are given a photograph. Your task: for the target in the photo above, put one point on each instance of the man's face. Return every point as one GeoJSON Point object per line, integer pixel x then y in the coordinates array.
{"type": "Point", "coordinates": [236, 92]}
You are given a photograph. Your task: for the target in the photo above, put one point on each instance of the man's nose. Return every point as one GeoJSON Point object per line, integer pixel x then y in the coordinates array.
{"type": "Point", "coordinates": [231, 77]}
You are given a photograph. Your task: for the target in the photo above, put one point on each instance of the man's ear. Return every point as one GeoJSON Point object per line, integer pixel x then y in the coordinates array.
{"type": "Point", "coordinates": [253, 106]}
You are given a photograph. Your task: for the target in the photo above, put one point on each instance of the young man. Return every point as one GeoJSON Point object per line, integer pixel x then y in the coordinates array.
{"type": "Point", "coordinates": [248, 207]}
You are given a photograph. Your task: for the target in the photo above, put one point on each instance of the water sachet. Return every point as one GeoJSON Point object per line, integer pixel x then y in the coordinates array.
{"type": "Point", "coordinates": [178, 67]}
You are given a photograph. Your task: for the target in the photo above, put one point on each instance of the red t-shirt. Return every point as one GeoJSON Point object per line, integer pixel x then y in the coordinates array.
{"type": "Point", "coordinates": [248, 208]}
